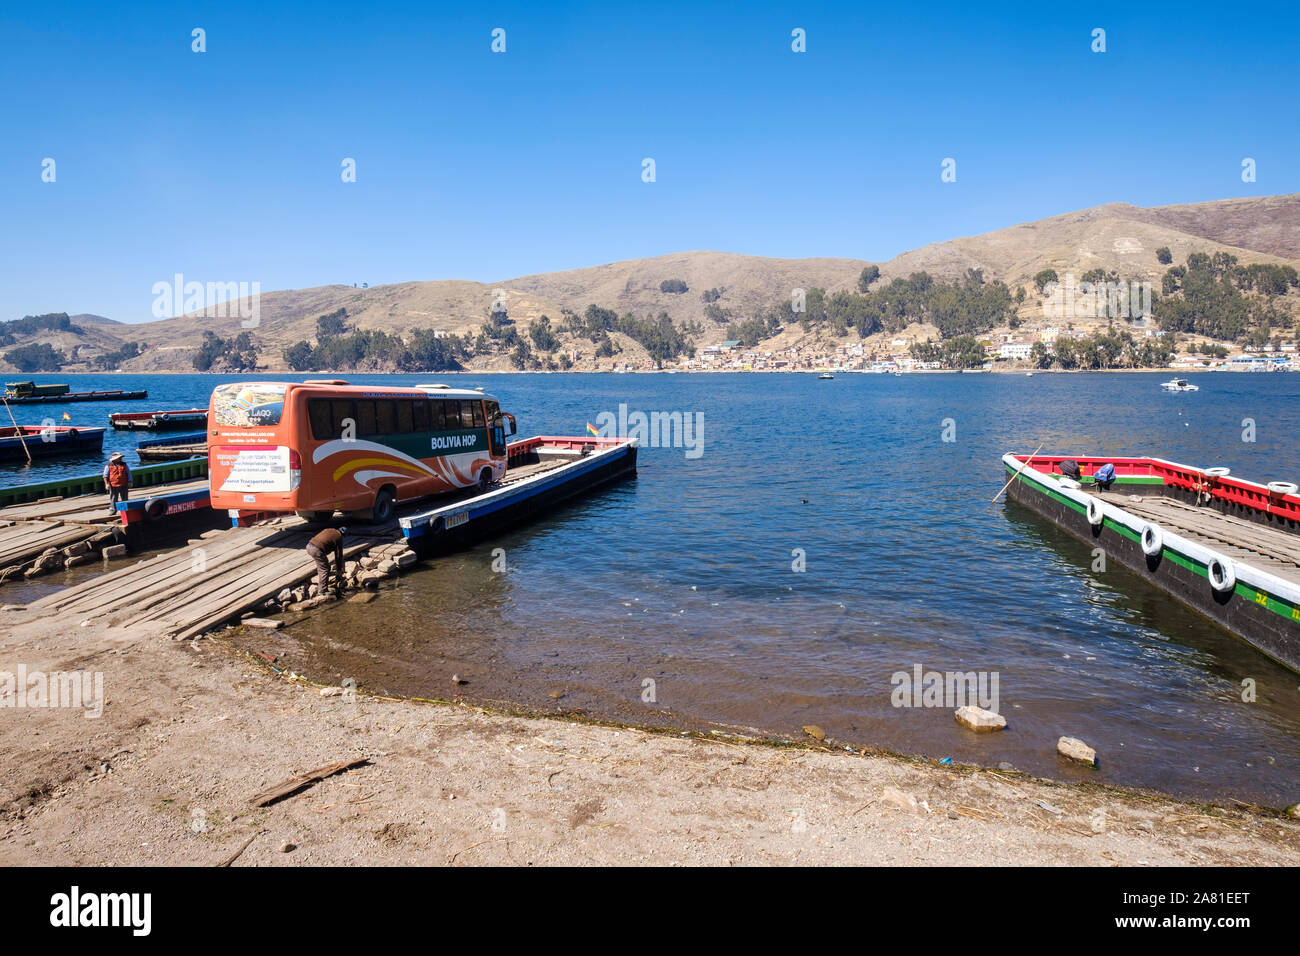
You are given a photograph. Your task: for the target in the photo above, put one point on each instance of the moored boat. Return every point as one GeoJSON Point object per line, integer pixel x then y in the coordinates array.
{"type": "Point", "coordinates": [159, 421]}
{"type": "Point", "coordinates": [28, 393]}
{"type": "Point", "coordinates": [1227, 547]}
{"type": "Point", "coordinates": [1179, 385]}
{"type": "Point", "coordinates": [45, 441]}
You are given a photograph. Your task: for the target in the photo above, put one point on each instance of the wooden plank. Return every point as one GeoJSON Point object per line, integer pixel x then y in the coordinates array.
{"type": "Point", "coordinates": [301, 781]}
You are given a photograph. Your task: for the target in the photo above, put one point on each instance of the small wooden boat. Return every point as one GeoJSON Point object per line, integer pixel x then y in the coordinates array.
{"type": "Point", "coordinates": [172, 452]}
{"type": "Point", "coordinates": [45, 441]}
{"type": "Point", "coordinates": [1226, 547]}
{"type": "Point", "coordinates": [159, 421]}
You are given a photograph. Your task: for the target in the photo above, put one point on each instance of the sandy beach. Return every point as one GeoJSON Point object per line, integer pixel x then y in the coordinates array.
{"type": "Point", "coordinates": [192, 731]}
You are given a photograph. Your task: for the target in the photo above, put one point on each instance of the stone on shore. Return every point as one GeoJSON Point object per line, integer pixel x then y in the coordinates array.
{"type": "Point", "coordinates": [979, 719]}
{"type": "Point", "coordinates": [1076, 749]}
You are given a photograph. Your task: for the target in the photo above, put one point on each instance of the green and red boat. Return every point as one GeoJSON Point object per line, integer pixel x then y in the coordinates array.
{"type": "Point", "coordinates": [1227, 547]}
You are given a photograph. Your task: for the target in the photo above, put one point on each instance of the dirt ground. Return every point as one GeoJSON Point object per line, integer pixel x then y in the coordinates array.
{"type": "Point", "coordinates": [191, 731]}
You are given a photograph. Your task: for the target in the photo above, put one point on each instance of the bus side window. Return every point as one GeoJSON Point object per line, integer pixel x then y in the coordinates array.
{"type": "Point", "coordinates": [341, 412]}
{"type": "Point", "coordinates": [450, 415]}
{"type": "Point", "coordinates": [478, 414]}
{"type": "Point", "coordinates": [405, 418]}
{"type": "Point", "coordinates": [435, 415]}
{"type": "Point", "coordinates": [385, 417]}
{"type": "Point", "coordinates": [467, 414]}
{"type": "Point", "coordinates": [318, 412]}
{"type": "Point", "coordinates": [365, 417]}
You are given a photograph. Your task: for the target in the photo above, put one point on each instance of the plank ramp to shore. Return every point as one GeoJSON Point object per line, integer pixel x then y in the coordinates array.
{"type": "Point", "coordinates": [184, 592]}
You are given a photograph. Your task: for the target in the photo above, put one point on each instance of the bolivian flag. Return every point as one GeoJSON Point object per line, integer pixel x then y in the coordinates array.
{"type": "Point", "coordinates": [593, 429]}
{"type": "Point", "coordinates": [67, 417]}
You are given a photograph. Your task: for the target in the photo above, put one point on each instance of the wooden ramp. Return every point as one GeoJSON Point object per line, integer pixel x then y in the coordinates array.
{"type": "Point", "coordinates": [23, 540]}
{"type": "Point", "coordinates": [185, 592]}
{"type": "Point", "coordinates": [1268, 549]}
{"type": "Point", "coordinates": [90, 509]}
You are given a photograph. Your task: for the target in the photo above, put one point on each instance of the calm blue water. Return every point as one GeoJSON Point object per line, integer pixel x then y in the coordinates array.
{"type": "Point", "coordinates": [684, 576]}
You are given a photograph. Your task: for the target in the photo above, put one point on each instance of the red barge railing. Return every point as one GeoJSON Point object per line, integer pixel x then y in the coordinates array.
{"type": "Point", "coordinates": [1238, 491]}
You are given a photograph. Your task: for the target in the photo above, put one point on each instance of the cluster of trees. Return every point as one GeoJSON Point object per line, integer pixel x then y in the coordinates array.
{"type": "Point", "coordinates": [1216, 297]}
{"type": "Point", "coordinates": [341, 347]}
{"type": "Point", "coordinates": [658, 336]}
{"type": "Point", "coordinates": [37, 357]}
{"type": "Point", "coordinates": [965, 307]}
{"type": "Point", "coordinates": [238, 354]}
{"type": "Point", "coordinates": [961, 351]}
{"type": "Point", "coordinates": [29, 324]}
{"type": "Point", "coordinates": [673, 286]}
{"type": "Point", "coordinates": [1102, 350]}
{"type": "Point", "coordinates": [115, 358]}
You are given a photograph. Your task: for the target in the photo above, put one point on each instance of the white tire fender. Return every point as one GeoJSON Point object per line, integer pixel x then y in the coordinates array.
{"type": "Point", "coordinates": [1222, 574]}
{"type": "Point", "coordinates": [1095, 514]}
{"type": "Point", "coordinates": [1153, 540]}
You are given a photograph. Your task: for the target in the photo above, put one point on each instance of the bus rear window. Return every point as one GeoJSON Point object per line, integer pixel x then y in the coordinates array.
{"type": "Point", "coordinates": [248, 406]}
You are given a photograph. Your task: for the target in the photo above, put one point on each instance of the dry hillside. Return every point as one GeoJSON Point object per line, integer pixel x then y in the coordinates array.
{"type": "Point", "coordinates": [1115, 236]}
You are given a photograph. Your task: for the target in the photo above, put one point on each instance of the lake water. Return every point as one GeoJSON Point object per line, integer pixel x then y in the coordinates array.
{"type": "Point", "coordinates": [685, 576]}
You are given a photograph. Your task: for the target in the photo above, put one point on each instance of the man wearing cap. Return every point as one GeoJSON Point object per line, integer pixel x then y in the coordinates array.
{"type": "Point", "coordinates": [327, 542]}
{"type": "Point", "coordinates": [117, 481]}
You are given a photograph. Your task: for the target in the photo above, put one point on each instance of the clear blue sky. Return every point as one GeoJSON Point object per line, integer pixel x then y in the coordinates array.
{"type": "Point", "coordinates": [225, 165]}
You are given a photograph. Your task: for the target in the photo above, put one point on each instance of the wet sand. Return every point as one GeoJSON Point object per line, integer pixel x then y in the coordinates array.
{"type": "Point", "coordinates": [191, 731]}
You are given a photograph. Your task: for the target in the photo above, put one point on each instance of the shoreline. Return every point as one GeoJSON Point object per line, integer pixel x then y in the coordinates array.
{"type": "Point", "coordinates": [192, 730]}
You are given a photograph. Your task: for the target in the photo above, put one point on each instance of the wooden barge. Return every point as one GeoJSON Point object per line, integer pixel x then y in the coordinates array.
{"type": "Point", "coordinates": [1227, 547]}
{"type": "Point", "coordinates": [160, 421]}
{"type": "Point", "coordinates": [45, 441]}
{"type": "Point", "coordinates": [541, 472]}
{"type": "Point", "coordinates": [27, 393]}
{"type": "Point", "coordinates": [173, 448]}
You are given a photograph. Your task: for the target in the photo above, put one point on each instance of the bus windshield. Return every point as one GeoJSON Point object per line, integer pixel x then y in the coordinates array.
{"type": "Point", "coordinates": [248, 406]}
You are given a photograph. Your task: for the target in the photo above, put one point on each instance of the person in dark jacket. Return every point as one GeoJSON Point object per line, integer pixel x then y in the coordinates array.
{"type": "Point", "coordinates": [117, 481]}
{"type": "Point", "coordinates": [325, 543]}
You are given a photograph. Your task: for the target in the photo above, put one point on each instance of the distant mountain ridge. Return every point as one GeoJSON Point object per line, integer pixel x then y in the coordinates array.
{"type": "Point", "coordinates": [1115, 237]}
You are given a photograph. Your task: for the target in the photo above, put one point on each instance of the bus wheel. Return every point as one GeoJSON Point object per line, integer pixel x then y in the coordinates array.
{"type": "Point", "coordinates": [484, 480]}
{"type": "Point", "coordinates": [385, 506]}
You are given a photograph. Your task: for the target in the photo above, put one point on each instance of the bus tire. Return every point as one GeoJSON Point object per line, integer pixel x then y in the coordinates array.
{"type": "Point", "coordinates": [155, 508]}
{"type": "Point", "coordinates": [484, 480]}
{"type": "Point", "coordinates": [1222, 575]}
{"type": "Point", "coordinates": [385, 506]}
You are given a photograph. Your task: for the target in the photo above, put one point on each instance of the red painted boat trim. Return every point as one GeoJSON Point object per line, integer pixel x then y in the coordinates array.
{"type": "Point", "coordinates": [1238, 491]}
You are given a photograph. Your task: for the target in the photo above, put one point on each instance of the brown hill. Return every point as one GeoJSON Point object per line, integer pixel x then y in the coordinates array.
{"type": "Point", "coordinates": [1116, 236]}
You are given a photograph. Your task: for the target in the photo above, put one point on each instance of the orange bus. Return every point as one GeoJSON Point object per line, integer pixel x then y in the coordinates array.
{"type": "Point", "coordinates": [317, 447]}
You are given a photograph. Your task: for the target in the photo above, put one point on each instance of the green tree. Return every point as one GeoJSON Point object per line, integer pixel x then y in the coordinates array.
{"type": "Point", "coordinates": [868, 275]}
